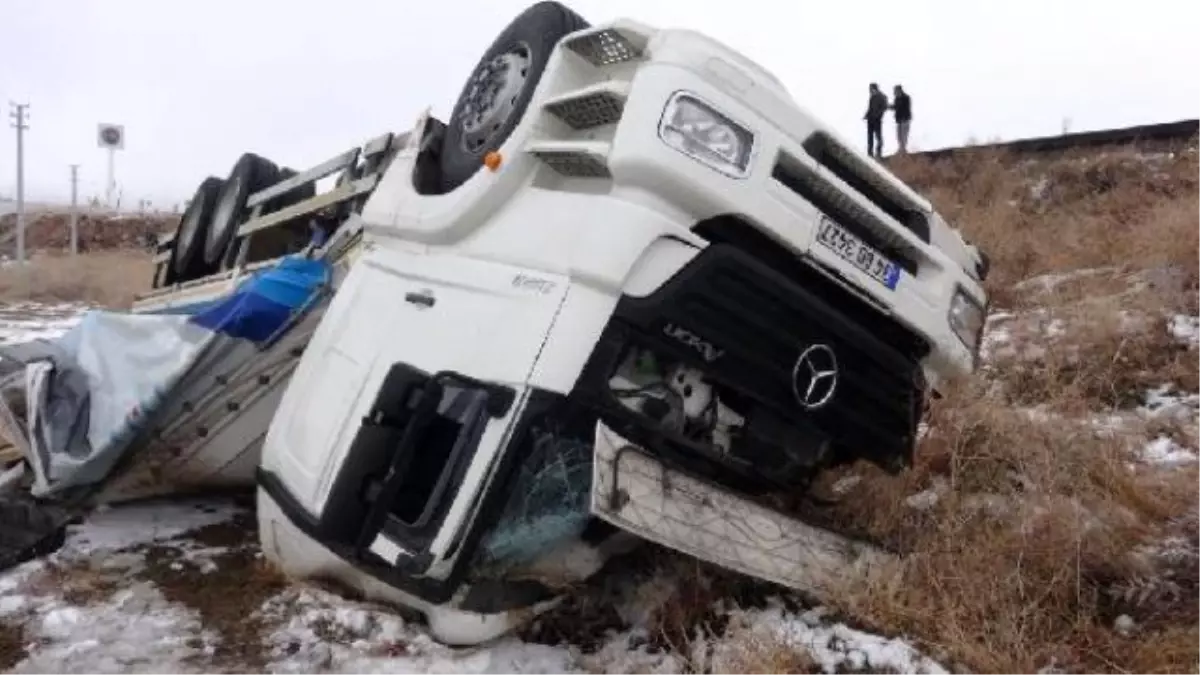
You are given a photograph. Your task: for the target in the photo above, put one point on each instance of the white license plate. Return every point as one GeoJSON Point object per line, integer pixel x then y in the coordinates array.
{"type": "Point", "coordinates": [859, 253]}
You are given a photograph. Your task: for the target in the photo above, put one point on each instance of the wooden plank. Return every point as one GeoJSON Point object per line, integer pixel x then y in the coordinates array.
{"type": "Point", "coordinates": [314, 174]}
{"type": "Point", "coordinates": [339, 194]}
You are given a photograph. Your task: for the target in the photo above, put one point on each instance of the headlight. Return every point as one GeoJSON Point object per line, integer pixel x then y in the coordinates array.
{"type": "Point", "coordinates": [966, 319]}
{"type": "Point", "coordinates": [700, 132]}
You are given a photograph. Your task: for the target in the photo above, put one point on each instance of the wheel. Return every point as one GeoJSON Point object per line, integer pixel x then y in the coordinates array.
{"type": "Point", "coordinates": [250, 174]}
{"type": "Point", "coordinates": [498, 92]}
{"type": "Point", "coordinates": [187, 256]}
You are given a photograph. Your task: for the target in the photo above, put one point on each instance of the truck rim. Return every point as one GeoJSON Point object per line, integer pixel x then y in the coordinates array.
{"type": "Point", "coordinates": [496, 87]}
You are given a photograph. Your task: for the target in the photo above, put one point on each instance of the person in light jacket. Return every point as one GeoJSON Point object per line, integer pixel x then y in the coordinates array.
{"type": "Point", "coordinates": [902, 113]}
{"type": "Point", "coordinates": [877, 105]}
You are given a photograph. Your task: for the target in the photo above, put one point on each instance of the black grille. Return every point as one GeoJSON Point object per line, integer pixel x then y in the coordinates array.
{"type": "Point", "coordinates": [763, 320]}
{"type": "Point", "coordinates": [747, 238]}
{"type": "Point", "coordinates": [847, 218]}
{"type": "Point", "coordinates": [851, 169]}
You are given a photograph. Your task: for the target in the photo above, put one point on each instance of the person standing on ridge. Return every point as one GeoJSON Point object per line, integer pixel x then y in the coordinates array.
{"type": "Point", "coordinates": [902, 113]}
{"type": "Point", "coordinates": [877, 105]}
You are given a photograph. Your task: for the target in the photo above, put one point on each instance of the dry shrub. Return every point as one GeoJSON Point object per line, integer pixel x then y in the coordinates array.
{"type": "Point", "coordinates": [1030, 545]}
{"type": "Point", "coordinates": [109, 278]}
{"type": "Point", "coordinates": [1098, 358]}
{"type": "Point", "coordinates": [751, 650]}
{"type": "Point", "coordinates": [1070, 212]}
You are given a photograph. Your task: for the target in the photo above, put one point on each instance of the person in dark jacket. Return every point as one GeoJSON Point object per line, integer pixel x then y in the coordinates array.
{"type": "Point", "coordinates": [877, 105]}
{"type": "Point", "coordinates": [902, 113]}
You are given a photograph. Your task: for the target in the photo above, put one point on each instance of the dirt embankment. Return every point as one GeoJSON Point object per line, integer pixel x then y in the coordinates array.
{"type": "Point", "coordinates": [51, 232]}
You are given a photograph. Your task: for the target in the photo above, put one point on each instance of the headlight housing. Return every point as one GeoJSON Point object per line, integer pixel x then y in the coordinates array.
{"type": "Point", "coordinates": [966, 317]}
{"type": "Point", "coordinates": [696, 129]}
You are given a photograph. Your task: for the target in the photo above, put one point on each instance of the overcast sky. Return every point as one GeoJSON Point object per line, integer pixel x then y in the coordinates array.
{"type": "Point", "coordinates": [197, 82]}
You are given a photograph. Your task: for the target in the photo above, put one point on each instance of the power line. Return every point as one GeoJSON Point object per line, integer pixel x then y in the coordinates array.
{"type": "Point", "coordinates": [20, 123]}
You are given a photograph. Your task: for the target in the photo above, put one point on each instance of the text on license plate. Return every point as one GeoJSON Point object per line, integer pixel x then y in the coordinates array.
{"type": "Point", "coordinates": [860, 254]}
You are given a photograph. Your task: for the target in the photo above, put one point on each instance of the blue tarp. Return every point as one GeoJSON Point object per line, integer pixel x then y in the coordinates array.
{"type": "Point", "coordinates": [264, 303]}
{"type": "Point", "coordinates": [89, 393]}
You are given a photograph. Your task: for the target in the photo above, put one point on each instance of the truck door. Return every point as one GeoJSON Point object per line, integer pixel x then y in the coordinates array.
{"type": "Point", "coordinates": [393, 420]}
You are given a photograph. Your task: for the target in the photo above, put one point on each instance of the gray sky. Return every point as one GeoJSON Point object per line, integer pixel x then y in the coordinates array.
{"type": "Point", "coordinates": [197, 82]}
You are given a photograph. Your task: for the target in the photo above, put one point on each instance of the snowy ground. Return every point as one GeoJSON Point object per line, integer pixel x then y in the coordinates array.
{"type": "Point", "coordinates": [181, 587]}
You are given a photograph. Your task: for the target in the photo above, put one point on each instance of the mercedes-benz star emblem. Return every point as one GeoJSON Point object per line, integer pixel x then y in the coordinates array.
{"type": "Point", "coordinates": [814, 377]}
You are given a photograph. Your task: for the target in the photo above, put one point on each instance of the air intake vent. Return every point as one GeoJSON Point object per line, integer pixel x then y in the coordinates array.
{"type": "Point", "coordinates": [869, 181]}
{"type": "Point", "coordinates": [595, 106]}
{"type": "Point", "coordinates": [575, 159]}
{"type": "Point", "coordinates": [844, 209]}
{"type": "Point", "coordinates": [607, 46]}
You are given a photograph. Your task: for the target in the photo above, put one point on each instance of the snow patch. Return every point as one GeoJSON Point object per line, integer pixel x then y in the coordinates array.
{"type": "Point", "coordinates": [27, 321]}
{"type": "Point", "coordinates": [136, 631]}
{"type": "Point", "coordinates": [1185, 328]}
{"type": "Point", "coordinates": [834, 646]}
{"type": "Point", "coordinates": [110, 529]}
{"type": "Point", "coordinates": [1166, 452]}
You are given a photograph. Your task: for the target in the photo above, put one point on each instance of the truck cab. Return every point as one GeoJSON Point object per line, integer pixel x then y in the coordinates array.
{"type": "Point", "coordinates": [629, 287]}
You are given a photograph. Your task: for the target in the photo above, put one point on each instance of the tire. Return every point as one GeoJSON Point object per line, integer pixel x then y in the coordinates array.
{"type": "Point", "coordinates": [481, 122]}
{"type": "Point", "coordinates": [250, 174]}
{"type": "Point", "coordinates": [187, 254]}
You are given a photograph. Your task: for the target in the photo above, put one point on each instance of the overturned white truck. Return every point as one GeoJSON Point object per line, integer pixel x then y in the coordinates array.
{"type": "Point", "coordinates": [630, 288]}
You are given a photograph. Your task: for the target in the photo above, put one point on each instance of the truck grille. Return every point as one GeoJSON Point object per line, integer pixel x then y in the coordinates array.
{"type": "Point", "coordinates": [763, 320]}
{"type": "Point", "coordinates": [868, 180]}
{"type": "Point", "coordinates": [832, 200]}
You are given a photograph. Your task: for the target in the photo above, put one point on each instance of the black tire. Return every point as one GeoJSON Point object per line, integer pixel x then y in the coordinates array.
{"type": "Point", "coordinates": [187, 255]}
{"type": "Point", "coordinates": [528, 41]}
{"type": "Point", "coordinates": [29, 529]}
{"type": "Point", "coordinates": [250, 174]}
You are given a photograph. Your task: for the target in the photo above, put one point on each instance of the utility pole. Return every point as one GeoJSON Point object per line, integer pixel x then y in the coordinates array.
{"type": "Point", "coordinates": [20, 124]}
{"type": "Point", "coordinates": [74, 209]}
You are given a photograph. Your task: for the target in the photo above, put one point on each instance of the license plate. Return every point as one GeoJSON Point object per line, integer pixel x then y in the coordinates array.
{"type": "Point", "coordinates": [859, 253]}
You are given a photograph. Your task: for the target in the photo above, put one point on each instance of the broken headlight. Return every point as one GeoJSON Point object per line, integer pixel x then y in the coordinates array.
{"type": "Point", "coordinates": [697, 130]}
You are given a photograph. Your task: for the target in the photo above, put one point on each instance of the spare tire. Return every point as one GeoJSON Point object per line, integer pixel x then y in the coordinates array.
{"type": "Point", "coordinates": [498, 92]}
{"type": "Point", "coordinates": [187, 259]}
{"type": "Point", "coordinates": [250, 174]}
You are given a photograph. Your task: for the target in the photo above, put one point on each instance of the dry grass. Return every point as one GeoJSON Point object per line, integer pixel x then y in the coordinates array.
{"type": "Point", "coordinates": [1029, 554]}
{"type": "Point", "coordinates": [107, 278]}
{"type": "Point", "coordinates": [1075, 212]}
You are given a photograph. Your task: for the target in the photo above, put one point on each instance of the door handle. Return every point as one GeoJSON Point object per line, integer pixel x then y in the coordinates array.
{"type": "Point", "coordinates": [421, 299]}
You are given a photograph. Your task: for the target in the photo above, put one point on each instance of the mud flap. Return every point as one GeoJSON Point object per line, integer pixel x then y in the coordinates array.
{"type": "Point", "coordinates": [637, 493]}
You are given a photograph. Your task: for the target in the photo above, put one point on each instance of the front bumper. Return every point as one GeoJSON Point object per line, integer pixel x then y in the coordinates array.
{"type": "Point", "coordinates": [635, 491]}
